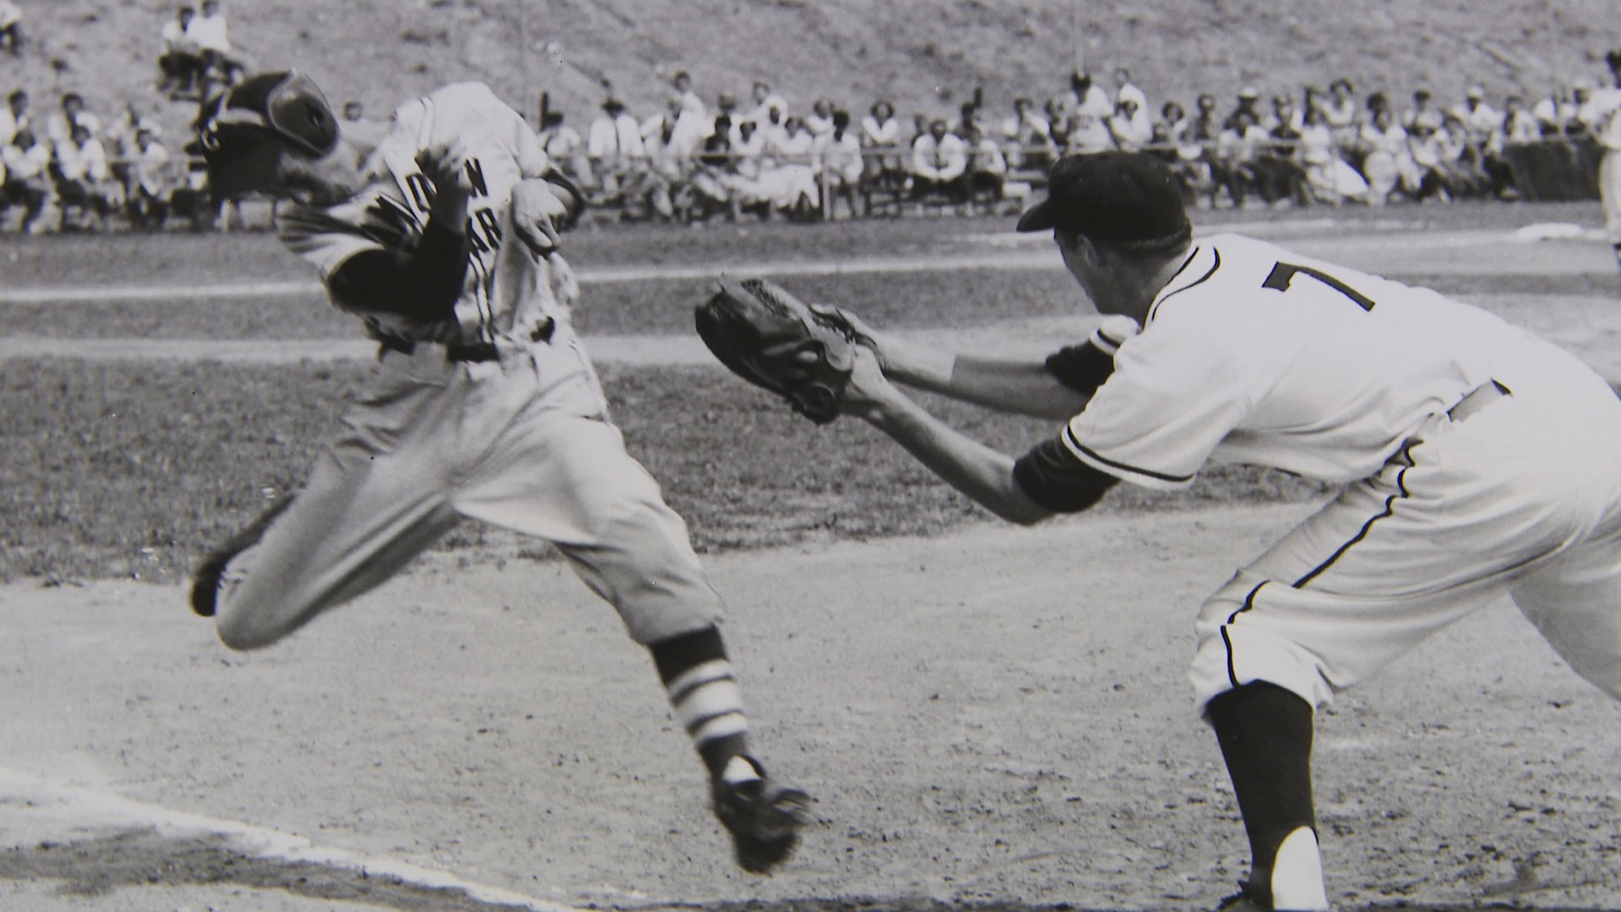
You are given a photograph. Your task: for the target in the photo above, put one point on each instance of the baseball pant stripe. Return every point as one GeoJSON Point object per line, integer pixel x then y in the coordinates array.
{"type": "Point", "coordinates": [1227, 639]}
{"type": "Point", "coordinates": [1389, 510]}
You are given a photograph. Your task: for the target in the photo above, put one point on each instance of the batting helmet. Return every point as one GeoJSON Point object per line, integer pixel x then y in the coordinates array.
{"type": "Point", "coordinates": [233, 127]}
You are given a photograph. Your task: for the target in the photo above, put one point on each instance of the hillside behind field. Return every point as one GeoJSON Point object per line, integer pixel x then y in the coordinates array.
{"type": "Point", "coordinates": [927, 55]}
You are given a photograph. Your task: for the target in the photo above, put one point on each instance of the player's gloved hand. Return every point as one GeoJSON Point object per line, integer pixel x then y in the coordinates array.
{"type": "Point", "coordinates": [446, 166]}
{"type": "Point", "coordinates": [538, 208]}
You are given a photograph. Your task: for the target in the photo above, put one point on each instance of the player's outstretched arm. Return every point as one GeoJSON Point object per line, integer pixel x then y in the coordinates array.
{"type": "Point", "coordinates": [983, 474]}
{"type": "Point", "coordinates": [1021, 386]}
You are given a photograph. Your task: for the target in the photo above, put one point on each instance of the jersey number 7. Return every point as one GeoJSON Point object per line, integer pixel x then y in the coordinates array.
{"type": "Point", "coordinates": [1284, 273]}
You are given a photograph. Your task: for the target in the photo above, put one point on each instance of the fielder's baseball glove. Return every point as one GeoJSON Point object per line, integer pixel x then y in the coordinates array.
{"type": "Point", "coordinates": [775, 341]}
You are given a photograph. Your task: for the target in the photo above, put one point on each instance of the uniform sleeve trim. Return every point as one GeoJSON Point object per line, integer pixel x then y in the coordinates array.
{"type": "Point", "coordinates": [1146, 477]}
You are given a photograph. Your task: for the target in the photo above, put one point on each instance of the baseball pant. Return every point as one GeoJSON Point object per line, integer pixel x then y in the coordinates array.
{"type": "Point", "coordinates": [1521, 497]}
{"type": "Point", "coordinates": [523, 443]}
{"type": "Point", "coordinates": [1609, 183]}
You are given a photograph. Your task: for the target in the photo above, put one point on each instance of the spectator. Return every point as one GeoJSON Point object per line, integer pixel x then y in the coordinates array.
{"type": "Point", "coordinates": [27, 163]}
{"type": "Point", "coordinates": [1088, 133]}
{"type": "Point", "coordinates": [1556, 112]}
{"type": "Point", "coordinates": [1520, 126]}
{"type": "Point", "coordinates": [1245, 164]}
{"type": "Point", "coordinates": [14, 116]}
{"type": "Point", "coordinates": [693, 122]}
{"type": "Point", "coordinates": [820, 119]}
{"type": "Point", "coordinates": [11, 34]}
{"type": "Point", "coordinates": [1060, 116]}
{"type": "Point", "coordinates": [1340, 113]}
{"type": "Point", "coordinates": [1480, 118]}
{"type": "Point", "coordinates": [789, 173]}
{"type": "Point", "coordinates": [881, 148]}
{"type": "Point", "coordinates": [566, 148]}
{"type": "Point", "coordinates": [713, 180]}
{"type": "Point", "coordinates": [1456, 160]}
{"type": "Point", "coordinates": [210, 33]}
{"type": "Point", "coordinates": [669, 158]}
{"type": "Point", "coordinates": [766, 104]}
{"type": "Point", "coordinates": [1283, 120]}
{"type": "Point", "coordinates": [1421, 114]}
{"type": "Point", "coordinates": [118, 139]}
{"type": "Point", "coordinates": [838, 159]}
{"type": "Point", "coordinates": [1027, 137]}
{"type": "Point", "coordinates": [618, 154]}
{"type": "Point", "coordinates": [59, 126]}
{"type": "Point", "coordinates": [1387, 162]}
{"type": "Point", "coordinates": [1125, 89]}
{"type": "Point", "coordinates": [1249, 103]}
{"type": "Point", "coordinates": [1130, 127]}
{"type": "Point", "coordinates": [180, 60]}
{"type": "Point", "coordinates": [939, 163]}
{"type": "Point", "coordinates": [987, 167]}
{"type": "Point", "coordinates": [85, 185]}
{"type": "Point", "coordinates": [151, 182]}
{"type": "Point", "coordinates": [1328, 177]}
{"type": "Point", "coordinates": [1089, 97]}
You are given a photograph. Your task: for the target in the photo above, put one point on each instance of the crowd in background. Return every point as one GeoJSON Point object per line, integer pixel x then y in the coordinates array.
{"type": "Point", "coordinates": [759, 155]}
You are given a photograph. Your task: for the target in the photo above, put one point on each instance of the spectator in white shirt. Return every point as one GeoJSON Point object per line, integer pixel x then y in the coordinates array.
{"type": "Point", "coordinates": [151, 181]}
{"type": "Point", "coordinates": [939, 161]}
{"type": "Point", "coordinates": [618, 155]}
{"type": "Point", "coordinates": [1027, 137]}
{"type": "Point", "coordinates": [766, 104]}
{"type": "Point", "coordinates": [1125, 89]}
{"type": "Point", "coordinates": [27, 163]}
{"type": "Point", "coordinates": [84, 181]}
{"type": "Point", "coordinates": [180, 60]}
{"type": "Point", "coordinates": [59, 126]}
{"type": "Point", "coordinates": [1130, 126]}
{"type": "Point", "coordinates": [838, 159]}
{"type": "Point", "coordinates": [881, 143]}
{"type": "Point", "coordinates": [211, 35]}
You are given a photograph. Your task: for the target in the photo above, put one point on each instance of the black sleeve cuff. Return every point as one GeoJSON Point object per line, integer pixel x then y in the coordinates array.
{"type": "Point", "coordinates": [1051, 476]}
{"type": "Point", "coordinates": [423, 285]}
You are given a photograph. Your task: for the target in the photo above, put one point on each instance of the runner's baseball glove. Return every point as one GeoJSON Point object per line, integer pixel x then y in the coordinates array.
{"type": "Point", "coordinates": [772, 339]}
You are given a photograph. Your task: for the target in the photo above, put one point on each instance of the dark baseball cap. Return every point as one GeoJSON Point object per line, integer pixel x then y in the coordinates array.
{"type": "Point", "coordinates": [233, 128]}
{"type": "Point", "coordinates": [1111, 196]}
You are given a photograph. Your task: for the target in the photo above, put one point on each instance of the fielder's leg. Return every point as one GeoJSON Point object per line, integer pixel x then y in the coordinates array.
{"type": "Point", "coordinates": [1265, 735]}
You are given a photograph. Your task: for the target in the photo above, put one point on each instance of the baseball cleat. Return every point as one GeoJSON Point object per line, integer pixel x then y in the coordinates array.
{"type": "Point", "coordinates": [763, 817]}
{"type": "Point", "coordinates": [1243, 901]}
{"type": "Point", "coordinates": [205, 582]}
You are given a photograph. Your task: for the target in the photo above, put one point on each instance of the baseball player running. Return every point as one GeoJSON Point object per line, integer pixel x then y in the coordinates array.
{"type": "Point", "coordinates": [441, 235]}
{"type": "Point", "coordinates": [1475, 459]}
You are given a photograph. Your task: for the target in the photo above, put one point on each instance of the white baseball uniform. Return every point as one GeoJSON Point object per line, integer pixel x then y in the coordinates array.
{"type": "Point", "coordinates": [1602, 114]}
{"type": "Point", "coordinates": [1476, 460]}
{"type": "Point", "coordinates": [496, 415]}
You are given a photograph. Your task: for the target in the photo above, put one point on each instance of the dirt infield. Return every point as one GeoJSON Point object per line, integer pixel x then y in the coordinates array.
{"type": "Point", "coordinates": [996, 719]}
{"type": "Point", "coordinates": [977, 728]}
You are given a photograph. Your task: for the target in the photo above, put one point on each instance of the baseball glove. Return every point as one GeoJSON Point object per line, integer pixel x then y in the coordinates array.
{"type": "Point", "coordinates": [772, 339]}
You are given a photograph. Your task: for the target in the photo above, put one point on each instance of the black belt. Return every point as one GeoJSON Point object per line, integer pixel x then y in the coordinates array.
{"type": "Point", "coordinates": [463, 351]}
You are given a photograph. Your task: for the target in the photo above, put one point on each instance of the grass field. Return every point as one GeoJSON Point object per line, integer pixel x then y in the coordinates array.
{"type": "Point", "coordinates": [189, 451]}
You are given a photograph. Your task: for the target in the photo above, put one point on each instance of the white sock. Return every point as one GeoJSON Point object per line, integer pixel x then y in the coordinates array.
{"type": "Point", "coordinates": [1297, 874]}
